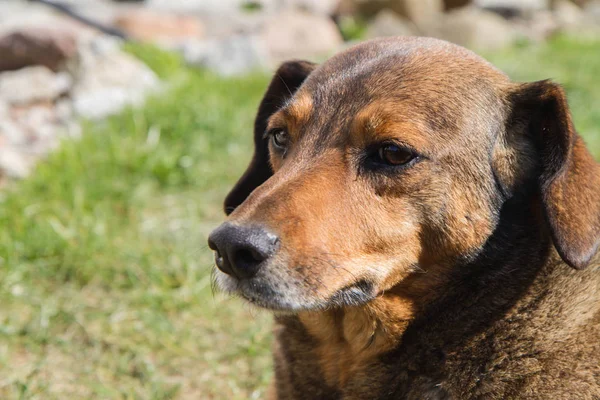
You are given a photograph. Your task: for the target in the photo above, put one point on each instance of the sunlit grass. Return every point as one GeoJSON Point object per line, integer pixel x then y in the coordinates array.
{"type": "Point", "coordinates": [105, 285]}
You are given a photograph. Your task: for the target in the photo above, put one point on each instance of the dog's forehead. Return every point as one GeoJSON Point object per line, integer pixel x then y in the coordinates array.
{"type": "Point", "coordinates": [427, 81]}
{"type": "Point", "coordinates": [403, 66]}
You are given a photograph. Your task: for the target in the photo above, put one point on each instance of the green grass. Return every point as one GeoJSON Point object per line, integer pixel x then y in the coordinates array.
{"type": "Point", "coordinates": [104, 272]}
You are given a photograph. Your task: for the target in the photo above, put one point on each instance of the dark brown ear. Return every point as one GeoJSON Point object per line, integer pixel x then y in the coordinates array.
{"type": "Point", "coordinates": [569, 178]}
{"type": "Point", "coordinates": [285, 82]}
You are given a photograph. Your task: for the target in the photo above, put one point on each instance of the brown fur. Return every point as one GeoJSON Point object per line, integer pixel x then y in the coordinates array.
{"type": "Point", "coordinates": [447, 279]}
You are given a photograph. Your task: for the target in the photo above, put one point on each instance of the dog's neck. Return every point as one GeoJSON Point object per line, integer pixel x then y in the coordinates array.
{"type": "Point", "coordinates": [347, 338]}
{"type": "Point", "coordinates": [344, 340]}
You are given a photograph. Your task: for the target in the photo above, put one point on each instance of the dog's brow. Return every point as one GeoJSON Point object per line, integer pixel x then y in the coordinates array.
{"type": "Point", "coordinates": [277, 120]}
{"type": "Point", "coordinates": [383, 121]}
{"type": "Point", "coordinates": [299, 108]}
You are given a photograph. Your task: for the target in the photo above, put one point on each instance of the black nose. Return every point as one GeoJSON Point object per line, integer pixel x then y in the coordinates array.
{"type": "Point", "coordinates": [241, 250]}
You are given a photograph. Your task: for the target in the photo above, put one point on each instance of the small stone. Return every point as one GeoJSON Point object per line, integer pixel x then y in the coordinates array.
{"type": "Point", "coordinates": [222, 26]}
{"type": "Point", "coordinates": [584, 25]}
{"type": "Point", "coordinates": [514, 8]}
{"type": "Point", "coordinates": [417, 11]}
{"type": "Point", "coordinates": [592, 11]}
{"type": "Point", "coordinates": [33, 84]}
{"type": "Point", "coordinates": [293, 34]}
{"type": "Point", "coordinates": [49, 47]}
{"type": "Point", "coordinates": [11, 133]}
{"type": "Point", "coordinates": [231, 56]}
{"type": "Point", "coordinates": [567, 13]}
{"type": "Point", "coordinates": [100, 103]}
{"type": "Point", "coordinates": [388, 23]}
{"type": "Point", "coordinates": [538, 28]}
{"type": "Point", "coordinates": [319, 7]}
{"type": "Point", "coordinates": [4, 109]}
{"type": "Point", "coordinates": [159, 27]}
{"type": "Point", "coordinates": [452, 4]}
{"type": "Point", "coordinates": [473, 28]}
{"type": "Point", "coordinates": [199, 6]}
{"type": "Point", "coordinates": [582, 3]}
{"type": "Point", "coordinates": [38, 120]}
{"type": "Point", "coordinates": [64, 111]}
{"type": "Point", "coordinates": [13, 163]}
{"type": "Point", "coordinates": [108, 80]}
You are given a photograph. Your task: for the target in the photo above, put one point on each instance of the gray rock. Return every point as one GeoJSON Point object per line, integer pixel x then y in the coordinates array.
{"type": "Point", "coordinates": [49, 47]}
{"type": "Point", "coordinates": [13, 163]}
{"type": "Point", "coordinates": [514, 8]}
{"type": "Point", "coordinates": [538, 27]}
{"type": "Point", "coordinates": [38, 106]}
{"type": "Point", "coordinates": [452, 4]}
{"type": "Point", "coordinates": [12, 133]}
{"type": "Point", "coordinates": [228, 7]}
{"type": "Point", "coordinates": [519, 4]}
{"type": "Point", "coordinates": [293, 34]}
{"type": "Point", "coordinates": [108, 80]}
{"type": "Point", "coordinates": [33, 84]}
{"type": "Point", "coordinates": [39, 122]}
{"type": "Point", "coordinates": [592, 11]}
{"type": "Point", "coordinates": [582, 3]}
{"type": "Point", "coordinates": [4, 110]}
{"type": "Point", "coordinates": [64, 111]}
{"type": "Point", "coordinates": [101, 11]}
{"type": "Point", "coordinates": [388, 23]}
{"type": "Point", "coordinates": [101, 102]}
{"type": "Point", "coordinates": [25, 16]}
{"type": "Point", "coordinates": [320, 7]}
{"type": "Point", "coordinates": [13, 14]}
{"type": "Point", "coordinates": [585, 24]}
{"type": "Point", "coordinates": [418, 11]}
{"type": "Point", "coordinates": [278, 37]}
{"type": "Point", "coordinates": [231, 56]}
{"type": "Point", "coordinates": [197, 6]}
{"type": "Point", "coordinates": [221, 26]}
{"type": "Point", "coordinates": [567, 14]}
{"type": "Point", "coordinates": [158, 27]}
{"type": "Point", "coordinates": [473, 28]}
{"type": "Point", "coordinates": [421, 12]}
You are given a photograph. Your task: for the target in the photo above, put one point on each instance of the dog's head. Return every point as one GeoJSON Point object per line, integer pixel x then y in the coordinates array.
{"type": "Point", "coordinates": [396, 156]}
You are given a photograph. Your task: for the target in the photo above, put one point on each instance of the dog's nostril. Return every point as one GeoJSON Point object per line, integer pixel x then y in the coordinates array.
{"type": "Point", "coordinates": [247, 262]}
{"type": "Point", "coordinates": [219, 259]}
{"type": "Point", "coordinates": [248, 257]}
{"type": "Point", "coordinates": [240, 251]}
{"type": "Point", "coordinates": [222, 263]}
{"type": "Point", "coordinates": [212, 245]}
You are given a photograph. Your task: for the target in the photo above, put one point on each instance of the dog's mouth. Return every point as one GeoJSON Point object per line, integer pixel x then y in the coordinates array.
{"type": "Point", "coordinates": [287, 297]}
{"type": "Point", "coordinates": [358, 293]}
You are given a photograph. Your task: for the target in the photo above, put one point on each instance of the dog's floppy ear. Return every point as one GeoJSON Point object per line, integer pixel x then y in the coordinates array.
{"type": "Point", "coordinates": [285, 82]}
{"type": "Point", "coordinates": [569, 178]}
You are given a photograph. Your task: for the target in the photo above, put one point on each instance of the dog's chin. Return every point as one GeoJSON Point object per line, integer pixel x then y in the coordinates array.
{"type": "Point", "coordinates": [286, 298]}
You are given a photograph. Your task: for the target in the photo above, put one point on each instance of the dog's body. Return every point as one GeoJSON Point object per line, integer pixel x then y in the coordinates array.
{"type": "Point", "coordinates": [523, 326]}
{"type": "Point", "coordinates": [429, 228]}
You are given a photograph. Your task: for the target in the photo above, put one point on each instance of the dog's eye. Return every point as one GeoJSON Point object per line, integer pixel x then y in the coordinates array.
{"type": "Point", "coordinates": [279, 138]}
{"type": "Point", "coordinates": [394, 155]}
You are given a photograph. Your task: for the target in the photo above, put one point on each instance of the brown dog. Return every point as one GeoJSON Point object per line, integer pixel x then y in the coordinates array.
{"type": "Point", "coordinates": [423, 227]}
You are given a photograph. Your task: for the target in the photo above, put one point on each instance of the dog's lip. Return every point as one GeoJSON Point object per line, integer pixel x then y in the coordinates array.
{"type": "Point", "coordinates": [355, 294]}
{"type": "Point", "coordinates": [264, 294]}
{"type": "Point", "coordinates": [359, 292]}
{"type": "Point", "coordinates": [268, 304]}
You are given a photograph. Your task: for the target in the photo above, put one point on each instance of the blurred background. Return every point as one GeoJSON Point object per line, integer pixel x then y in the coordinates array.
{"type": "Point", "coordinates": [122, 127]}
